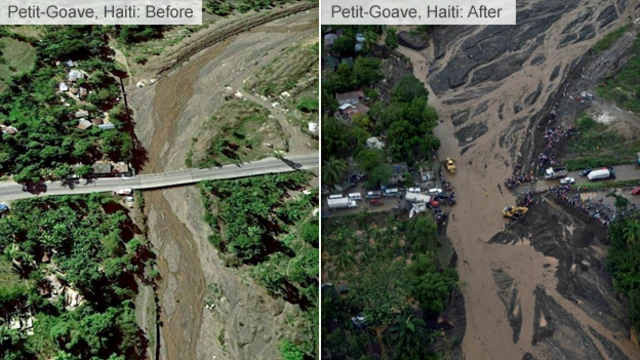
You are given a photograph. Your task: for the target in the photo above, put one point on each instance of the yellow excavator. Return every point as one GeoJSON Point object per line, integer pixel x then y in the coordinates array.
{"type": "Point", "coordinates": [514, 212]}
{"type": "Point", "coordinates": [450, 165]}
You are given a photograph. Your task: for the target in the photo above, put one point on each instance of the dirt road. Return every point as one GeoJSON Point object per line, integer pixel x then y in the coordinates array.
{"type": "Point", "coordinates": [500, 77]}
{"type": "Point", "coordinates": [246, 323]}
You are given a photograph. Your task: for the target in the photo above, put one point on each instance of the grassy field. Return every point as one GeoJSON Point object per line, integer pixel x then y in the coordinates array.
{"type": "Point", "coordinates": [239, 131]}
{"type": "Point", "coordinates": [15, 57]}
{"type": "Point", "coordinates": [623, 87]}
{"type": "Point", "coordinates": [610, 39]}
{"type": "Point", "coordinates": [597, 145]}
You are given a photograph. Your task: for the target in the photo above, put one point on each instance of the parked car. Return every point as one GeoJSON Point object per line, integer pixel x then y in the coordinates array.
{"type": "Point", "coordinates": [567, 181]}
{"type": "Point", "coordinates": [376, 202]}
{"type": "Point", "coordinates": [635, 191]}
{"type": "Point", "coordinates": [585, 172]}
{"type": "Point", "coordinates": [441, 196]}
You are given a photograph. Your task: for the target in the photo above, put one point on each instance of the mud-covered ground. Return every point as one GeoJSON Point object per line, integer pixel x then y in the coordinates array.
{"type": "Point", "coordinates": [246, 322]}
{"type": "Point", "coordinates": [539, 290]}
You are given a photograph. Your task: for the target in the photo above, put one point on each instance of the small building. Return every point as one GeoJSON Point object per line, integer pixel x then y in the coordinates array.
{"type": "Point", "coordinates": [82, 114]}
{"type": "Point", "coordinates": [84, 124]}
{"type": "Point", "coordinates": [4, 208]}
{"type": "Point", "coordinates": [329, 39]}
{"type": "Point", "coordinates": [63, 87]}
{"type": "Point", "coordinates": [74, 75]}
{"type": "Point", "coordinates": [107, 126]}
{"type": "Point", "coordinates": [102, 168]}
{"type": "Point", "coordinates": [352, 110]}
{"type": "Point", "coordinates": [351, 97]}
{"type": "Point", "coordinates": [333, 62]}
{"type": "Point", "coordinates": [70, 63]}
{"type": "Point", "coordinates": [122, 168]}
{"type": "Point", "coordinates": [375, 143]}
{"type": "Point", "coordinates": [83, 92]}
{"type": "Point", "coordinates": [313, 127]}
{"type": "Point", "coordinates": [348, 61]}
{"type": "Point", "coordinates": [8, 129]}
{"type": "Point", "coordinates": [96, 121]}
{"type": "Point", "coordinates": [360, 38]}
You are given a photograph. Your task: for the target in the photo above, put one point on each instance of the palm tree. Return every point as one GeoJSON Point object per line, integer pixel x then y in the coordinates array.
{"type": "Point", "coordinates": [370, 41]}
{"type": "Point", "coordinates": [408, 332]}
{"type": "Point", "coordinates": [343, 259]}
{"type": "Point", "coordinates": [333, 170]}
{"type": "Point", "coordinates": [632, 233]}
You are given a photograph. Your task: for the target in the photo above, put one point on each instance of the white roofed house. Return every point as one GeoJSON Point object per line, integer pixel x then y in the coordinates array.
{"type": "Point", "coordinates": [63, 87]}
{"type": "Point", "coordinates": [74, 75]}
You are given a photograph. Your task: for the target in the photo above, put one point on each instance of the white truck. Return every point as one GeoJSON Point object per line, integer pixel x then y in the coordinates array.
{"type": "Point", "coordinates": [341, 203]}
{"type": "Point", "coordinates": [126, 192]}
{"type": "Point", "coordinates": [554, 173]}
{"type": "Point", "coordinates": [417, 198]}
{"type": "Point", "coordinates": [601, 174]}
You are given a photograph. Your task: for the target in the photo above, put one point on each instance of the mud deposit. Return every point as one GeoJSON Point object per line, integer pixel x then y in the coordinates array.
{"type": "Point", "coordinates": [246, 323]}
{"type": "Point", "coordinates": [536, 289]}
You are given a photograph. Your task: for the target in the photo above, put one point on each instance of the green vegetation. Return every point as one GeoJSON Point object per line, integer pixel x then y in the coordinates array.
{"type": "Point", "coordinates": [405, 121]}
{"type": "Point", "coordinates": [591, 186]}
{"type": "Point", "coordinates": [597, 145]}
{"type": "Point", "coordinates": [389, 268]}
{"type": "Point", "coordinates": [623, 87]}
{"type": "Point", "coordinates": [267, 222]}
{"type": "Point", "coordinates": [69, 269]}
{"type": "Point", "coordinates": [15, 57]}
{"type": "Point", "coordinates": [609, 39]}
{"type": "Point", "coordinates": [296, 64]}
{"type": "Point", "coordinates": [48, 141]}
{"type": "Point", "coordinates": [623, 263]}
{"type": "Point", "coordinates": [239, 131]}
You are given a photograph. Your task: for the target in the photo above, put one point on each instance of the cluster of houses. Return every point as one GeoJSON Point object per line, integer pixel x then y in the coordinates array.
{"type": "Point", "coordinates": [351, 104]}
{"type": "Point", "coordinates": [79, 93]}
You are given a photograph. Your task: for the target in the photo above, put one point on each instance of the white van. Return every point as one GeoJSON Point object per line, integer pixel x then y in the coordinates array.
{"type": "Point", "coordinates": [435, 191]}
{"type": "Point", "coordinates": [338, 196]}
{"type": "Point", "coordinates": [413, 190]}
{"type": "Point", "coordinates": [355, 196]}
{"type": "Point", "coordinates": [391, 192]}
{"type": "Point", "coordinates": [373, 194]}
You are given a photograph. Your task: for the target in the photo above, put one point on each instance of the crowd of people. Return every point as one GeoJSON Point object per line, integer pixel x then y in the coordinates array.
{"type": "Point", "coordinates": [518, 177]}
{"type": "Point", "coordinates": [601, 212]}
{"type": "Point", "coordinates": [527, 200]}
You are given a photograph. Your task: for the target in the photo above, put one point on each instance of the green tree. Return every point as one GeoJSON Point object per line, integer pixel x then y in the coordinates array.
{"type": "Point", "coordinates": [391, 41]}
{"type": "Point", "coordinates": [408, 332]}
{"type": "Point", "coordinates": [344, 46]}
{"type": "Point", "coordinates": [408, 89]}
{"type": "Point", "coordinates": [366, 71]}
{"type": "Point", "coordinates": [380, 175]}
{"type": "Point", "coordinates": [333, 170]}
{"type": "Point", "coordinates": [290, 351]}
{"type": "Point", "coordinates": [370, 159]}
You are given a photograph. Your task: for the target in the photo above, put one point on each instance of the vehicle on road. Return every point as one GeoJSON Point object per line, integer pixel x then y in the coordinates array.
{"type": "Point", "coordinates": [567, 181]}
{"type": "Point", "coordinates": [554, 173]}
{"type": "Point", "coordinates": [413, 191]}
{"type": "Point", "coordinates": [355, 196]}
{"type": "Point", "coordinates": [417, 198]}
{"type": "Point", "coordinates": [450, 165]}
{"type": "Point", "coordinates": [374, 194]}
{"type": "Point", "coordinates": [391, 192]}
{"type": "Point", "coordinates": [341, 203]}
{"type": "Point", "coordinates": [442, 196]}
{"type": "Point", "coordinates": [126, 192]}
{"type": "Point", "coordinates": [435, 191]}
{"type": "Point", "coordinates": [376, 202]}
{"type": "Point", "coordinates": [585, 172]}
{"type": "Point", "coordinates": [514, 212]}
{"type": "Point", "coordinates": [602, 174]}
{"type": "Point", "coordinates": [635, 191]}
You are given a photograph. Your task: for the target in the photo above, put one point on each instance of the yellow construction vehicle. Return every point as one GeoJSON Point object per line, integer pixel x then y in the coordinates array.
{"type": "Point", "coordinates": [514, 212]}
{"type": "Point", "coordinates": [450, 165]}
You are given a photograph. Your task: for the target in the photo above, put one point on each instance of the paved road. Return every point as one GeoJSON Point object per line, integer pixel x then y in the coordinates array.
{"type": "Point", "coordinates": [10, 190]}
{"type": "Point", "coordinates": [623, 172]}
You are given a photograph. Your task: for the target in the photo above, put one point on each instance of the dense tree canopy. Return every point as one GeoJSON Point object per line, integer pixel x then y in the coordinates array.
{"type": "Point", "coordinates": [92, 249]}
